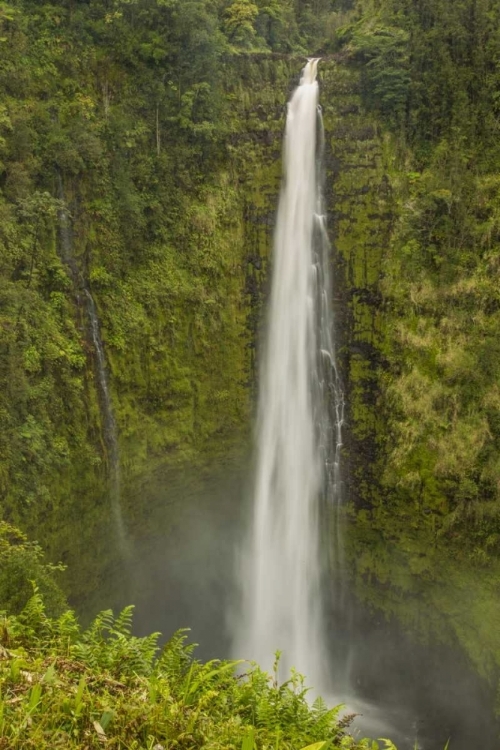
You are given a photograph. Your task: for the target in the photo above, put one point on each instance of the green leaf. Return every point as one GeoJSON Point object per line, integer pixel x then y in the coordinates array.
{"type": "Point", "coordinates": [50, 676]}
{"type": "Point", "coordinates": [106, 719]}
{"type": "Point", "coordinates": [79, 694]}
{"type": "Point", "coordinates": [224, 667]}
{"type": "Point", "coordinates": [35, 697]}
{"type": "Point", "coordinates": [248, 742]}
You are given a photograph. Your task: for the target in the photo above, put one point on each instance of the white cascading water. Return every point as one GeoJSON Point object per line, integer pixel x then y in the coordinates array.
{"type": "Point", "coordinates": [300, 416]}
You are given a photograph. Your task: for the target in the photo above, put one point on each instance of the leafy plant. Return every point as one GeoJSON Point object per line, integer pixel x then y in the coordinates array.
{"type": "Point", "coordinates": [21, 563]}
{"type": "Point", "coordinates": [105, 685]}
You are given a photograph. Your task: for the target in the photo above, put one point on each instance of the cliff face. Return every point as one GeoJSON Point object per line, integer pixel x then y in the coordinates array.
{"type": "Point", "coordinates": [416, 347]}
{"type": "Point", "coordinates": [167, 222]}
{"type": "Point", "coordinates": [169, 233]}
{"type": "Point", "coordinates": [362, 214]}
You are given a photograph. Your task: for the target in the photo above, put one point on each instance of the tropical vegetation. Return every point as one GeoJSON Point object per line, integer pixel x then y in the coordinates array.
{"type": "Point", "coordinates": [139, 164]}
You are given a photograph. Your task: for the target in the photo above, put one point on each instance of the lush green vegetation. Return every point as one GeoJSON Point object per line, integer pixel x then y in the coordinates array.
{"type": "Point", "coordinates": [21, 563]}
{"type": "Point", "coordinates": [430, 70]}
{"type": "Point", "coordinates": [155, 126]}
{"type": "Point", "coordinates": [115, 115]}
{"type": "Point", "coordinates": [424, 403]}
{"type": "Point", "coordinates": [61, 687]}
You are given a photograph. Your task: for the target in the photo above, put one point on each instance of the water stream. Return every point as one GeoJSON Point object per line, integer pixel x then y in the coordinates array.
{"type": "Point", "coordinates": [101, 370]}
{"type": "Point", "coordinates": [298, 441]}
{"type": "Point", "coordinates": [110, 429]}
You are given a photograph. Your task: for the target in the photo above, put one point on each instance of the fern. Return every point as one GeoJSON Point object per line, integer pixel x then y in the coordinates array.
{"type": "Point", "coordinates": [67, 627]}
{"type": "Point", "coordinates": [33, 617]}
{"type": "Point", "coordinates": [108, 644]}
{"type": "Point", "coordinates": [123, 623]}
{"type": "Point", "coordinates": [102, 624]}
{"type": "Point", "coordinates": [176, 657]}
{"type": "Point", "coordinates": [116, 688]}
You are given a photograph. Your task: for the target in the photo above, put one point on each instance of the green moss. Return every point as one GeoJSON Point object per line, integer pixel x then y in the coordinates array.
{"type": "Point", "coordinates": [404, 449]}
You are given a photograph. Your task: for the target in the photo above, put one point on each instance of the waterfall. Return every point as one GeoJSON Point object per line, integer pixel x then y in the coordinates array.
{"type": "Point", "coordinates": [101, 371]}
{"type": "Point", "coordinates": [110, 429]}
{"type": "Point", "coordinates": [300, 416]}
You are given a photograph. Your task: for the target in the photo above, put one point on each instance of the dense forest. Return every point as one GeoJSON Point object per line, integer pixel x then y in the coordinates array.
{"type": "Point", "coordinates": [139, 167]}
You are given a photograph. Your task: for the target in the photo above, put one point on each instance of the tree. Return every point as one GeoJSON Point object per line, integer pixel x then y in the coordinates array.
{"type": "Point", "coordinates": [239, 23]}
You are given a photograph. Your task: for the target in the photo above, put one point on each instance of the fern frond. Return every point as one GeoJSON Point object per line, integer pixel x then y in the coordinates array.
{"type": "Point", "coordinates": [123, 623]}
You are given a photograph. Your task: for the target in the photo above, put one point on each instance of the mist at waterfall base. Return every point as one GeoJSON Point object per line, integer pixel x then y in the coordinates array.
{"type": "Point", "coordinates": [183, 575]}
{"type": "Point", "coordinates": [185, 570]}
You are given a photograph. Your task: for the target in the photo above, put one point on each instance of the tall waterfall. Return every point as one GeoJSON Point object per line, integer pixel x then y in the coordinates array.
{"type": "Point", "coordinates": [300, 415]}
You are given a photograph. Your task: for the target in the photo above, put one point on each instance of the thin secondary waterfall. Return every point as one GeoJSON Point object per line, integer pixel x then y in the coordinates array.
{"type": "Point", "coordinates": [300, 415]}
{"type": "Point", "coordinates": [101, 371]}
{"type": "Point", "coordinates": [110, 429]}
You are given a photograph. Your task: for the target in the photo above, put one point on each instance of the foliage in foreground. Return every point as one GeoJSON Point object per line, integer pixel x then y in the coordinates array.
{"type": "Point", "coordinates": [21, 562]}
{"type": "Point", "coordinates": [61, 687]}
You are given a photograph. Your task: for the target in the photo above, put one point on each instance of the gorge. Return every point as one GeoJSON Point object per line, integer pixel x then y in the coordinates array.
{"type": "Point", "coordinates": [164, 122]}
